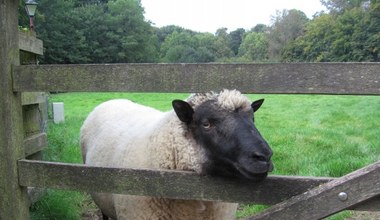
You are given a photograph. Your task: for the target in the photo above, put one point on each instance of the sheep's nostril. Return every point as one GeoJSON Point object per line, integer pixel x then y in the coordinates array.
{"type": "Point", "coordinates": [259, 157]}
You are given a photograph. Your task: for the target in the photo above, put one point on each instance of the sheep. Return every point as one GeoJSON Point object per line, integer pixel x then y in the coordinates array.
{"type": "Point", "coordinates": [209, 133]}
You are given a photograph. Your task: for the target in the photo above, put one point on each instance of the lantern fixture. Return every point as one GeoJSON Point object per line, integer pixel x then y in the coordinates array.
{"type": "Point", "coordinates": [30, 7]}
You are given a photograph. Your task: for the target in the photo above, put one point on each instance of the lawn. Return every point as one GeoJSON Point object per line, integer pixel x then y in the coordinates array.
{"type": "Point", "coordinates": [311, 135]}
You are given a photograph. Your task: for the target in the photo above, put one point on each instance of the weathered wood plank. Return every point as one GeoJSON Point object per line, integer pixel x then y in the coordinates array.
{"type": "Point", "coordinates": [29, 43]}
{"type": "Point", "coordinates": [13, 198]}
{"type": "Point", "coordinates": [163, 183]}
{"type": "Point", "coordinates": [323, 200]}
{"type": "Point", "coordinates": [316, 78]}
{"type": "Point", "coordinates": [31, 119]}
{"type": "Point", "coordinates": [35, 143]}
{"type": "Point", "coordinates": [28, 98]}
{"type": "Point", "coordinates": [372, 204]}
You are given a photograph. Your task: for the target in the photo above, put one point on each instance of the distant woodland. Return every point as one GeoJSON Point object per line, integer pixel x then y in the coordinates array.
{"type": "Point", "coordinates": [115, 31]}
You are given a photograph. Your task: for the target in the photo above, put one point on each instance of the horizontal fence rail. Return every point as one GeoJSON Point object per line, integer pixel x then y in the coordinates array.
{"type": "Point", "coordinates": [165, 183]}
{"type": "Point", "coordinates": [35, 143]}
{"type": "Point", "coordinates": [291, 78]}
{"type": "Point", "coordinates": [161, 183]}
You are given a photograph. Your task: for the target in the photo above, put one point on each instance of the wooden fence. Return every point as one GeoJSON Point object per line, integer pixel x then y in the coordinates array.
{"type": "Point", "coordinates": [291, 197]}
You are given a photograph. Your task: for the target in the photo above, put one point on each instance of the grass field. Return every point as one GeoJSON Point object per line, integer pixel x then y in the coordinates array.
{"type": "Point", "coordinates": [310, 135]}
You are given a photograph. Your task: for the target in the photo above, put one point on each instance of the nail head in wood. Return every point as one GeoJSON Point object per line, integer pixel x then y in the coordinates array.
{"type": "Point", "coordinates": [342, 196]}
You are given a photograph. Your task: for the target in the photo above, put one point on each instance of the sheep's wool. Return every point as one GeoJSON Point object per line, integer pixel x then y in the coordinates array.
{"type": "Point", "coordinates": [226, 99]}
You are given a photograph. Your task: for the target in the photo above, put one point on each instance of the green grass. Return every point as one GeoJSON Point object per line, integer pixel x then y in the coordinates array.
{"type": "Point", "coordinates": [310, 135]}
{"type": "Point", "coordinates": [57, 205]}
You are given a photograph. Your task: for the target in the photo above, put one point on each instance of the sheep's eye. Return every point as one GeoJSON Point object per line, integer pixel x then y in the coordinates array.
{"type": "Point", "coordinates": [206, 125]}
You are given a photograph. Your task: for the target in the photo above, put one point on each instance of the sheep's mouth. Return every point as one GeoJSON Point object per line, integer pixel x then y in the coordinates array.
{"type": "Point", "coordinates": [250, 175]}
{"type": "Point", "coordinates": [230, 168]}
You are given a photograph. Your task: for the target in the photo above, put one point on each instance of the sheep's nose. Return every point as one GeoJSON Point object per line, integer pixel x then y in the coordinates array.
{"type": "Point", "coordinates": [263, 159]}
{"type": "Point", "coordinates": [259, 157]}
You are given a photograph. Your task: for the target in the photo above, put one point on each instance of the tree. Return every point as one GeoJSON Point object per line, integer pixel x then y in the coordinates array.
{"type": "Point", "coordinates": [315, 45]}
{"type": "Point", "coordinates": [95, 31]}
{"type": "Point", "coordinates": [165, 31]}
{"type": "Point", "coordinates": [188, 47]}
{"type": "Point", "coordinates": [260, 28]}
{"type": "Point", "coordinates": [373, 40]}
{"type": "Point", "coordinates": [63, 43]}
{"type": "Point", "coordinates": [129, 37]}
{"type": "Point", "coordinates": [176, 42]}
{"type": "Point", "coordinates": [254, 47]}
{"type": "Point", "coordinates": [340, 6]}
{"type": "Point", "coordinates": [287, 26]}
{"type": "Point", "coordinates": [235, 38]}
{"type": "Point", "coordinates": [222, 49]}
{"type": "Point", "coordinates": [350, 36]}
{"type": "Point", "coordinates": [89, 2]}
{"type": "Point", "coordinates": [222, 32]}
{"type": "Point", "coordinates": [207, 47]}
{"type": "Point", "coordinates": [23, 19]}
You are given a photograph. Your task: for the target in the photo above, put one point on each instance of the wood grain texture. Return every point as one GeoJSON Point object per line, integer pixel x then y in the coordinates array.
{"type": "Point", "coordinates": [371, 205]}
{"type": "Point", "coordinates": [164, 183]}
{"type": "Point", "coordinates": [31, 119]}
{"type": "Point", "coordinates": [29, 43]}
{"type": "Point", "coordinates": [13, 198]}
{"type": "Point", "coordinates": [323, 200]}
{"type": "Point", "coordinates": [161, 183]}
{"type": "Point", "coordinates": [290, 78]}
{"type": "Point", "coordinates": [28, 98]}
{"type": "Point", "coordinates": [35, 143]}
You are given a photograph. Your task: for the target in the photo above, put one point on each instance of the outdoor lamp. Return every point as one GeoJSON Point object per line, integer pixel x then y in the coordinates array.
{"type": "Point", "coordinates": [30, 7]}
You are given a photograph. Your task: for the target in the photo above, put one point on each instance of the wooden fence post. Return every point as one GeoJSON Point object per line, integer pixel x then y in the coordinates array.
{"type": "Point", "coordinates": [13, 199]}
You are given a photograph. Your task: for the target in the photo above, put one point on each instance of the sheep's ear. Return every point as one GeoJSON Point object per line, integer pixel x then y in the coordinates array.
{"type": "Point", "coordinates": [256, 104]}
{"type": "Point", "coordinates": [183, 110]}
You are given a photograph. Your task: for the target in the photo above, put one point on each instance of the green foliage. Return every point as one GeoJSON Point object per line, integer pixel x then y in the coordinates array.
{"type": "Point", "coordinates": [235, 39]}
{"type": "Point", "coordinates": [176, 46]}
{"type": "Point", "coordinates": [287, 26]}
{"type": "Point", "coordinates": [110, 31]}
{"type": "Point", "coordinates": [23, 19]}
{"type": "Point", "coordinates": [55, 21]}
{"type": "Point", "coordinates": [353, 35]}
{"type": "Point", "coordinates": [254, 47]}
{"type": "Point", "coordinates": [188, 47]}
{"type": "Point", "coordinates": [165, 31]}
{"type": "Point", "coordinates": [373, 41]}
{"type": "Point", "coordinates": [260, 28]}
{"type": "Point", "coordinates": [222, 50]}
{"type": "Point", "coordinates": [340, 6]}
{"type": "Point", "coordinates": [315, 44]}
{"type": "Point", "coordinates": [95, 32]}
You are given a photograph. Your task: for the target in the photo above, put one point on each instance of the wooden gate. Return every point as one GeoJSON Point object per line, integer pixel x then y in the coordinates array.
{"type": "Point", "coordinates": [291, 197]}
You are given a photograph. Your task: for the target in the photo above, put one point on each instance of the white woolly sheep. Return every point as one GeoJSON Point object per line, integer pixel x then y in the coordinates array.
{"type": "Point", "coordinates": [211, 134]}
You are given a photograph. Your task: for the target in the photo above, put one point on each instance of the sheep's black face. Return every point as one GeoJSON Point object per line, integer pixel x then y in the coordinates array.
{"type": "Point", "coordinates": [233, 144]}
